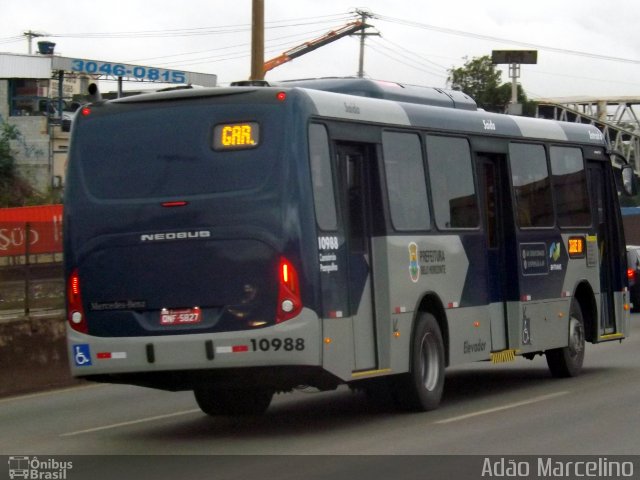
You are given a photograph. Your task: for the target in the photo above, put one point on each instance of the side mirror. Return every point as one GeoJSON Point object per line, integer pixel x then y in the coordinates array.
{"type": "Point", "coordinates": [629, 181]}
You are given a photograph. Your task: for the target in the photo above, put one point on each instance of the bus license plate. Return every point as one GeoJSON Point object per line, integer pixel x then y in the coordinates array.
{"type": "Point", "coordinates": [180, 317]}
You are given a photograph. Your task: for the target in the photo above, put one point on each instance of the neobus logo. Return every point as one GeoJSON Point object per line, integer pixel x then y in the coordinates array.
{"type": "Point", "coordinates": [159, 237]}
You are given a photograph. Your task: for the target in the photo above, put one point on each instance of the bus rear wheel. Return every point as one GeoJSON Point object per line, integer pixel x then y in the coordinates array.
{"type": "Point", "coordinates": [233, 402]}
{"type": "Point", "coordinates": [421, 388]}
{"type": "Point", "coordinates": [567, 361]}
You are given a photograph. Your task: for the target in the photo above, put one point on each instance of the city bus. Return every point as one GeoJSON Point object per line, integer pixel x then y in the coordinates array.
{"type": "Point", "coordinates": [248, 240]}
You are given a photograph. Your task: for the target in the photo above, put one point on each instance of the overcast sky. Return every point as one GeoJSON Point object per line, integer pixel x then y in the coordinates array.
{"type": "Point", "coordinates": [416, 44]}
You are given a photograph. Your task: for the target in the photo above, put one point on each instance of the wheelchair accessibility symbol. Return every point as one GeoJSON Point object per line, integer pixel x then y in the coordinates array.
{"type": "Point", "coordinates": [82, 355]}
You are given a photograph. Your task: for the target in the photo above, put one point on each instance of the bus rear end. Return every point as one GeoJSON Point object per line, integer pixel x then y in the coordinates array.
{"type": "Point", "coordinates": [183, 249]}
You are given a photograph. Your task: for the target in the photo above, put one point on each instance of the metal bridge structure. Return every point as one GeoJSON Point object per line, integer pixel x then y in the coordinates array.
{"type": "Point", "coordinates": [616, 117]}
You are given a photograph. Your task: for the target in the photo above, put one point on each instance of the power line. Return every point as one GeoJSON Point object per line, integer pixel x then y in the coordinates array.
{"type": "Point", "coordinates": [410, 65]}
{"type": "Point", "coordinates": [579, 77]}
{"type": "Point", "coordinates": [270, 44]}
{"type": "Point", "coordinates": [17, 38]}
{"type": "Point", "coordinates": [212, 30]}
{"type": "Point", "coordinates": [461, 33]}
{"type": "Point", "coordinates": [417, 55]}
{"type": "Point", "coordinates": [401, 56]}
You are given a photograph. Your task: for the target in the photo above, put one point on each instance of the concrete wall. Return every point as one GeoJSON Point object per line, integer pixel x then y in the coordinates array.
{"type": "Point", "coordinates": [4, 99]}
{"type": "Point", "coordinates": [32, 150]}
{"type": "Point", "coordinates": [33, 356]}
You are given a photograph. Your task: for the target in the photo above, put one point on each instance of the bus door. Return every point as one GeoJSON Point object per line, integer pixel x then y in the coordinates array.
{"type": "Point", "coordinates": [355, 164]}
{"type": "Point", "coordinates": [498, 226]}
{"type": "Point", "coordinates": [605, 221]}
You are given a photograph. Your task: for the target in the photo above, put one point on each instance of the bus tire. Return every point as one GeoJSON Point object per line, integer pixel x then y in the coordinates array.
{"type": "Point", "coordinates": [233, 402]}
{"type": "Point", "coordinates": [567, 361]}
{"type": "Point", "coordinates": [421, 388]}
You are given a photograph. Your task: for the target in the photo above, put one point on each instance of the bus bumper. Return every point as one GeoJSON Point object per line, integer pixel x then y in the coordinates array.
{"type": "Point", "coordinates": [296, 342]}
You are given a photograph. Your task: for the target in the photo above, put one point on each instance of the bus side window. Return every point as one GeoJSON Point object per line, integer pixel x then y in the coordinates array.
{"type": "Point", "coordinates": [570, 187]}
{"type": "Point", "coordinates": [406, 183]}
{"type": "Point", "coordinates": [455, 200]}
{"type": "Point", "coordinates": [531, 185]}
{"type": "Point", "coordinates": [322, 179]}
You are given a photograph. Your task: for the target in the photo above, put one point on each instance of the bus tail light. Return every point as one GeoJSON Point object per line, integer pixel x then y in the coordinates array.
{"type": "Point", "coordinates": [75, 311]}
{"type": "Point", "coordinates": [631, 275]}
{"type": "Point", "coordinates": [289, 301]}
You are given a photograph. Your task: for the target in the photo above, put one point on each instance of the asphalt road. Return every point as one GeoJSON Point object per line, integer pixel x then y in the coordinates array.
{"type": "Point", "coordinates": [507, 409]}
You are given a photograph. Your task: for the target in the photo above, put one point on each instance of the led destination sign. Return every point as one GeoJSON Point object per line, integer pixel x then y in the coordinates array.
{"type": "Point", "coordinates": [235, 136]}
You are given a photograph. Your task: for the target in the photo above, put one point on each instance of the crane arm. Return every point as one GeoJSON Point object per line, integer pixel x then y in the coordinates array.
{"type": "Point", "coordinates": [307, 47]}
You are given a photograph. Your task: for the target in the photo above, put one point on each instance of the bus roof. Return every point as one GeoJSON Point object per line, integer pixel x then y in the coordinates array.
{"type": "Point", "coordinates": [364, 100]}
{"type": "Point", "coordinates": [398, 92]}
{"type": "Point", "coordinates": [455, 120]}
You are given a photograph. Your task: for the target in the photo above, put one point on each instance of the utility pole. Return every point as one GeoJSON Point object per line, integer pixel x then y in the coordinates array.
{"type": "Point", "coordinates": [310, 46]}
{"type": "Point", "coordinates": [363, 18]}
{"type": "Point", "coordinates": [257, 40]}
{"type": "Point", "coordinates": [30, 36]}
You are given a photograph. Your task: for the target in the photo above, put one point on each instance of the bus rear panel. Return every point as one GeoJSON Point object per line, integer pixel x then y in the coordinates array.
{"type": "Point", "coordinates": [183, 240]}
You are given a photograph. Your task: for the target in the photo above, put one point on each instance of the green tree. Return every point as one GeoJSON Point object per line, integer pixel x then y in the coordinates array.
{"type": "Point", "coordinates": [528, 106]}
{"type": "Point", "coordinates": [15, 191]}
{"type": "Point", "coordinates": [480, 79]}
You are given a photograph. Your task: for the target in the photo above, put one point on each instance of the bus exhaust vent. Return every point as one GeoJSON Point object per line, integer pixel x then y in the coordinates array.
{"type": "Point", "coordinates": [503, 356]}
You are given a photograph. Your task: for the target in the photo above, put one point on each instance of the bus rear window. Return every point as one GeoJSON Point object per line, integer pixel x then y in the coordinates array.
{"type": "Point", "coordinates": [167, 152]}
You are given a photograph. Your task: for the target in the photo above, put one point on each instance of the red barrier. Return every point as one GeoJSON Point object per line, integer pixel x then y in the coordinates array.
{"type": "Point", "coordinates": [45, 230]}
